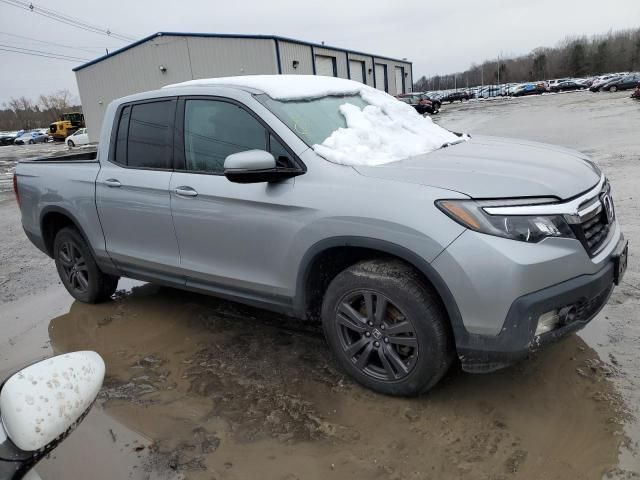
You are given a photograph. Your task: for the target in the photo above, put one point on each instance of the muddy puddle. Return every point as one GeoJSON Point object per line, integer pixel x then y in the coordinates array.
{"type": "Point", "coordinates": [220, 390]}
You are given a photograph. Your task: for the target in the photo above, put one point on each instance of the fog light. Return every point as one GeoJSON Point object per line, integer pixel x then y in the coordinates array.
{"type": "Point", "coordinates": [547, 322]}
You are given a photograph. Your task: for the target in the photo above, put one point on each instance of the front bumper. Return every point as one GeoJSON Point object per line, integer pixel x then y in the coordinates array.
{"type": "Point", "coordinates": [587, 293]}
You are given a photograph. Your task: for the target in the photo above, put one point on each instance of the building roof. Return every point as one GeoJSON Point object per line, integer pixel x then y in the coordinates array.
{"type": "Point", "coordinates": [230, 35]}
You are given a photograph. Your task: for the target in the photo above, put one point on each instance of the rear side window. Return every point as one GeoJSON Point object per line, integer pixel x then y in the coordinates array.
{"type": "Point", "coordinates": [214, 130]}
{"type": "Point", "coordinates": [120, 155]}
{"type": "Point", "coordinates": [144, 138]}
{"type": "Point", "coordinates": [150, 137]}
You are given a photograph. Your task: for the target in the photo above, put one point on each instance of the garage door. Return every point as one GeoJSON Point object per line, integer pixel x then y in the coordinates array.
{"type": "Point", "coordinates": [356, 69]}
{"type": "Point", "coordinates": [399, 80]}
{"type": "Point", "coordinates": [326, 66]}
{"type": "Point", "coordinates": [381, 77]}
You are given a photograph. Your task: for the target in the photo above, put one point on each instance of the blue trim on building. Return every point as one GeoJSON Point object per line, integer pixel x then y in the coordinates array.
{"type": "Point", "coordinates": [230, 35]}
{"type": "Point", "coordinates": [348, 67]}
{"type": "Point", "coordinates": [278, 56]}
{"type": "Point", "coordinates": [313, 59]}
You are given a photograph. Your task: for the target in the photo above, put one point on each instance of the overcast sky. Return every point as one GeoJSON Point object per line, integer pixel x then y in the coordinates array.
{"type": "Point", "coordinates": [439, 37]}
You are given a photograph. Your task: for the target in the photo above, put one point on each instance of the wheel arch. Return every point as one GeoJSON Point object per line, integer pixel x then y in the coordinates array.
{"type": "Point", "coordinates": [311, 278]}
{"type": "Point", "coordinates": [52, 220]}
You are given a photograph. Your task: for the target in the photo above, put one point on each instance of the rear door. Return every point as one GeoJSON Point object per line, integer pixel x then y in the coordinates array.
{"type": "Point", "coordinates": [232, 237]}
{"type": "Point", "coordinates": [399, 80]}
{"type": "Point", "coordinates": [132, 190]}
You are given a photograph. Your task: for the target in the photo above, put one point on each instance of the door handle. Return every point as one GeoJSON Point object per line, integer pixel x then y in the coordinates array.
{"type": "Point", "coordinates": [112, 182]}
{"type": "Point", "coordinates": [185, 191]}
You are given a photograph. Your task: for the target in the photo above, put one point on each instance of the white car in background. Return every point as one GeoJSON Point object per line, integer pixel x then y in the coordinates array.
{"type": "Point", "coordinates": [80, 137]}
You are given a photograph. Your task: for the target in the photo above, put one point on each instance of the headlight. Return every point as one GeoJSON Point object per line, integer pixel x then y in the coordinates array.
{"type": "Point", "coordinates": [525, 228]}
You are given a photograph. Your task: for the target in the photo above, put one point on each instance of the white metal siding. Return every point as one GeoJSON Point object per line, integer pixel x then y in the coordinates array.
{"type": "Point", "coordinates": [290, 52]}
{"type": "Point", "coordinates": [356, 69]}
{"type": "Point", "coordinates": [223, 57]}
{"type": "Point", "coordinates": [326, 66]}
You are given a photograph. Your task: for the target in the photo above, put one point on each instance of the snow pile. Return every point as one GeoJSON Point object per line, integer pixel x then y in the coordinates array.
{"type": "Point", "coordinates": [385, 131]}
{"type": "Point", "coordinates": [283, 87]}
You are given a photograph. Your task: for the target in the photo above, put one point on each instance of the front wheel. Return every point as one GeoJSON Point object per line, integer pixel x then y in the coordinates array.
{"type": "Point", "coordinates": [386, 328]}
{"type": "Point", "coordinates": [31, 142]}
{"type": "Point", "coordinates": [78, 269]}
{"type": "Point", "coordinates": [70, 143]}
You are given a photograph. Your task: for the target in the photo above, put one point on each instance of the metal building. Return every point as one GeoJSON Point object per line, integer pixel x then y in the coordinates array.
{"type": "Point", "coordinates": [164, 58]}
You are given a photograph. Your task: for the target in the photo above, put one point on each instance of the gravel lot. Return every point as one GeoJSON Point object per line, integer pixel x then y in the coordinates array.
{"type": "Point", "coordinates": [202, 388]}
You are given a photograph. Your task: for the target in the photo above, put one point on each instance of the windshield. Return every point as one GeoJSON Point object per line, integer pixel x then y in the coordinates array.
{"type": "Point", "coordinates": [312, 120]}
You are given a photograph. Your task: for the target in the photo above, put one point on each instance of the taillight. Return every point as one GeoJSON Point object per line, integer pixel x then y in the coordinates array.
{"type": "Point", "coordinates": [15, 188]}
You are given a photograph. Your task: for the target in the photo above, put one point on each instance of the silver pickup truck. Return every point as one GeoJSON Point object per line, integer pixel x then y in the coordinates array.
{"type": "Point", "coordinates": [481, 249]}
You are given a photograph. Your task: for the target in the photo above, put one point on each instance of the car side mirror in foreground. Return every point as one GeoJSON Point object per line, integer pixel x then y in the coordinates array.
{"type": "Point", "coordinates": [256, 166]}
{"type": "Point", "coordinates": [42, 404]}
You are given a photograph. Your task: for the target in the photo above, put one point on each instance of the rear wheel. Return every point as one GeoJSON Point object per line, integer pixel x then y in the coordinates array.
{"type": "Point", "coordinates": [613, 88]}
{"type": "Point", "coordinates": [386, 328]}
{"type": "Point", "coordinates": [78, 269]}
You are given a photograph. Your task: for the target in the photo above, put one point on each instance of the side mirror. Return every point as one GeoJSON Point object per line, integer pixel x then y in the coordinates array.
{"type": "Point", "coordinates": [255, 166]}
{"type": "Point", "coordinates": [42, 404]}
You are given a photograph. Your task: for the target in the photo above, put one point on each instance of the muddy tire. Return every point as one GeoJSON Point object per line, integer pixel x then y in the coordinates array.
{"type": "Point", "coordinates": [78, 269]}
{"type": "Point", "coordinates": [386, 328]}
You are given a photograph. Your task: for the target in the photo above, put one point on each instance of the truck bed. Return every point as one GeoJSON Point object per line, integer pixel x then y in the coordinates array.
{"type": "Point", "coordinates": [86, 155]}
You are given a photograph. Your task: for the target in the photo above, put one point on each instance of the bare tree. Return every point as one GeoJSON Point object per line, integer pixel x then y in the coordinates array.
{"type": "Point", "coordinates": [57, 103]}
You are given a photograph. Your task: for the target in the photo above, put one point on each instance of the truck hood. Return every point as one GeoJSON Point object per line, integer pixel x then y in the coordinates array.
{"type": "Point", "coordinates": [492, 167]}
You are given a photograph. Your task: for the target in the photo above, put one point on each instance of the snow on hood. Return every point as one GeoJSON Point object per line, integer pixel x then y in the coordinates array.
{"type": "Point", "coordinates": [384, 131]}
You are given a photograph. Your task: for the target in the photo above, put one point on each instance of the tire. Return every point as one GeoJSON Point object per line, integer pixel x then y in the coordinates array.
{"type": "Point", "coordinates": [70, 143]}
{"type": "Point", "coordinates": [420, 350]}
{"type": "Point", "coordinates": [78, 269]}
{"type": "Point", "coordinates": [31, 142]}
{"type": "Point", "coordinates": [613, 89]}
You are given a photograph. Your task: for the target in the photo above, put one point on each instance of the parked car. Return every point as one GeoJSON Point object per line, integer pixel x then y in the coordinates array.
{"type": "Point", "coordinates": [525, 89]}
{"type": "Point", "coordinates": [599, 82]}
{"type": "Point", "coordinates": [7, 138]}
{"type": "Point", "coordinates": [480, 248]}
{"type": "Point", "coordinates": [41, 405]}
{"type": "Point", "coordinates": [566, 86]}
{"type": "Point", "coordinates": [622, 83]}
{"type": "Point", "coordinates": [459, 95]}
{"type": "Point", "coordinates": [79, 137]}
{"type": "Point", "coordinates": [31, 138]}
{"type": "Point", "coordinates": [421, 103]}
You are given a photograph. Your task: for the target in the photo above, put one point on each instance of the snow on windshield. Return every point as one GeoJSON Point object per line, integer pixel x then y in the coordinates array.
{"type": "Point", "coordinates": [384, 131]}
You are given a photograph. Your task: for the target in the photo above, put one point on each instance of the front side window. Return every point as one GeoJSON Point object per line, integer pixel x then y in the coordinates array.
{"type": "Point", "coordinates": [213, 130]}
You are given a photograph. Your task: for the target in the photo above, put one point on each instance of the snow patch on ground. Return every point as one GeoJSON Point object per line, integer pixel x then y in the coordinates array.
{"type": "Point", "coordinates": [385, 131]}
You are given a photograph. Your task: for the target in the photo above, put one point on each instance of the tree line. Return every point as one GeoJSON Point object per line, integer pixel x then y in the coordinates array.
{"type": "Point", "coordinates": [615, 51]}
{"type": "Point", "coordinates": [23, 113]}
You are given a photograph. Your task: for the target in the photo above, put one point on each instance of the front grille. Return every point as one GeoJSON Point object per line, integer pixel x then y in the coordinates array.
{"type": "Point", "coordinates": [593, 230]}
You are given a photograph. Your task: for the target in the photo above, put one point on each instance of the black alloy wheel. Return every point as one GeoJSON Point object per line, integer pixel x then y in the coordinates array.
{"type": "Point", "coordinates": [74, 266]}
{"type": "Point", "coordinates": [376, 336]}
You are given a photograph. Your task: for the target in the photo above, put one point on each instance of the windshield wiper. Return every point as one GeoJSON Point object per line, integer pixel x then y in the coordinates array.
{"type": "Point", "coordinates": [448, 144]}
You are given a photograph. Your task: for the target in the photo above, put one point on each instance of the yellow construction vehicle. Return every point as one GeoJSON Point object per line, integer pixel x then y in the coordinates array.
{"type": "Point", "coordinates": [68, 124]}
